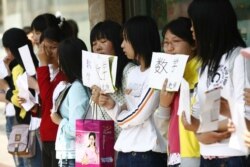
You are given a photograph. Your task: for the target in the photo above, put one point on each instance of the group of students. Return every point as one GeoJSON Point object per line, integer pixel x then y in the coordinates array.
{"type": "Point", "coordinates": [211, 39]}
{"type": "Point", "coordinates": [149, 130]}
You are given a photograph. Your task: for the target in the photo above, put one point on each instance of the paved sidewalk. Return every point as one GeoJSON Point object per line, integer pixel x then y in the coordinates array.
{"type": "Point", "coordinates": [5, 158]}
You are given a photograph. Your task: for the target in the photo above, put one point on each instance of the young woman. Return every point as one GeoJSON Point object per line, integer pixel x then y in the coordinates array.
{"type": "Point", "coordinates": [48, 76]}
{"type": "Point", "coordinates": [106, 38]}
{"type": "Point", "coordinates": [140, 142]}
{"type": "Point", "coordinates": [46, 20]}
{"type": "Point", "coordinates": [75, 104]}
{"type": "Point", "coordinates": [182, 144]}
{"type": "Point", "coordinates": [12, 40]}
{"type": "Point", "coordinates": [218, 45]}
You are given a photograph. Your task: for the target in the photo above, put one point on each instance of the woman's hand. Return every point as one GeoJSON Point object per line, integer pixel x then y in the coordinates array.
{"type": "Point", "coordinates": [247, 96]}
{"type": "Point", "coordinates": [101, 98]}
{"type": "Point", "coordinates": [96, 91]}
{"type": "Point", "coordinates": [224, 108]}
{"type": "Point", "coordinates": [195, 123]}
{"type": "Point", "coordinates": [230, 126]}
{"type": "Point", "coordinates": [4, 85]}
{"type": "Point", "coordinates": [106, 101]}
{"type": "Point", "coordinates": [43, 55]}
{"type": "Point", "coordinates": [33, 84]}
{"type": "Point", "coordinates": [212, 137]}
{"type": "Point", "coordinates": [55, 118]}
{"type": "Point", "coordinates": [166, 97]}
{"type": "Point", "coordinates": [7, 62]}
{"type": "Point", "coordinates": [21, 100]}
{"type": "Point", "coordinates": [247, 138]}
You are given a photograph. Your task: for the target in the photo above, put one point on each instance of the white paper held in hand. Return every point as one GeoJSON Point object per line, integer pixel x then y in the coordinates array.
{"type": "Point", "coordinates": [184, 102]}
{"type": "Point", "coordinates": [168, 66]}
{"type": "Point", "coordinates": [210, 111]}
{"type": "Point", "coordinates": [27, 60]}
{"type": "Point", "coordinates": [23, 92]}
{"type": "Point", "coordinates": [3, 70]}
{"type": "Point", "coordinates": [100, 70]}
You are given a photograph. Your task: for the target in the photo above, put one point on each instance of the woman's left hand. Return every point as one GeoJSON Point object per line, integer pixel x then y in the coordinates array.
{"type": "Point", "coordinates": [106, 101]}
{"type": "Point", "coordinates": [21, 100]}
{"type": "Point", "coordinates": [55, 118]}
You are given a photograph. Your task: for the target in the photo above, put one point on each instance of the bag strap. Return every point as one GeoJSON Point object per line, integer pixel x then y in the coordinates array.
{"type": "Point", "coordinates": [94, 109]}
{"type": "Point", "coordinates": [61, 97]}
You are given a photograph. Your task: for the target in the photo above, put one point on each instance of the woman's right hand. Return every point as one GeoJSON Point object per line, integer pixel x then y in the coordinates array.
{"type": "Point", "coordinates": [42, 55]}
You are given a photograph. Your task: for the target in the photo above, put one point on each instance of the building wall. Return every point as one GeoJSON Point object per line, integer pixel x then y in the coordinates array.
{"type": "Point", "coordinates": [100, 10]}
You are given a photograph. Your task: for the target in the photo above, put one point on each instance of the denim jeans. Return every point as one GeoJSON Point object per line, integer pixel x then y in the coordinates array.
{"type": "Point", "coordinates": [66, 163]}
{"type": "Point", "coordinates": [36, 161]}
{"type": "Point", "coordinates": [141, 159]}
{"type": "Point", "coordinates": [226, 162]}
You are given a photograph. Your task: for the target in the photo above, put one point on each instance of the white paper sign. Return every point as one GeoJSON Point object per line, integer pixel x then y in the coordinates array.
{"type": "Point", "coordinates": [168, 66]}
{"type": "Point", "coordinates": [27, 60]}
{"type": "Point", "coordinates": [100, 70]}
{"type": "Point", "coordinates": [3, 69]}
{"type": "Point", "coordinates": [184, 100]}
{"type": "Point", "coordinates": [23, 92]}
{"type": "Point", "coordinates": [210, 111]}
{"type": "Point", "coordinates": [237, 138]}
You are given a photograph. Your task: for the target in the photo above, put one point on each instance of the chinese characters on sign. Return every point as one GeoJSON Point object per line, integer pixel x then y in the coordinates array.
{"type": "Point", "coordinates": [100, 70]}
{"type": "Point", "coordinates": [167, 66]}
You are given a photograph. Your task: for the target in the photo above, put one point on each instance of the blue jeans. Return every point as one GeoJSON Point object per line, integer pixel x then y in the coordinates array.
{"type": "Point", "coordinates": [141, 159]}
{"type": "Point", "coordinates": [67, 163]}
{"type": "Point", "coordinates": [227, 162]}
{"type": "Point", "coordinates": [36, 161]}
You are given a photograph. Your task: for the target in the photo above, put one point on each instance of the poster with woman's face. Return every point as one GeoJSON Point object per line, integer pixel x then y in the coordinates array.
{"type": "Point", "coordinates": [87, 152]}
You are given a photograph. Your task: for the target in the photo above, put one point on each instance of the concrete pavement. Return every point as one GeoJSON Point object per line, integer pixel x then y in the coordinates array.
{"type": "Point", "coordinates": [6, 159]}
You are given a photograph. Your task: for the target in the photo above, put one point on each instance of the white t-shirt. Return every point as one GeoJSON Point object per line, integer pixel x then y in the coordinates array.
{"type": "Point", "coordinates": [230, 76]}
{"type": "Point", "coordinates": [140, 121]}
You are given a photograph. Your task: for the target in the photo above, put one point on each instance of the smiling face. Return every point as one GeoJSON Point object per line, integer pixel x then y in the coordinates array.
{"type": "Point", "coordinates": [103, 46]}
{"type": "Point", "coordinates": [173, 44]}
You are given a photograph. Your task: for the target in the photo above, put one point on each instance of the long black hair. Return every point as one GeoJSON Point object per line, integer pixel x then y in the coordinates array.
{"type": "Point", "coordinates": [92, 134]}
{"type": "Point", "coordinates": [111, 31]}
{"type": "Point", "coordinates": [216, 32]}
{"type": "Point", "coordinates": [15, 38]}
{"type": "Point", "coordinates": [70, 58]}
{"type": "Point", "coordinates": [142, 33]}
{"type": "Point", "coordinates": [180, 27]}
{"type": "Point", "coordinates": [43, 21]}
